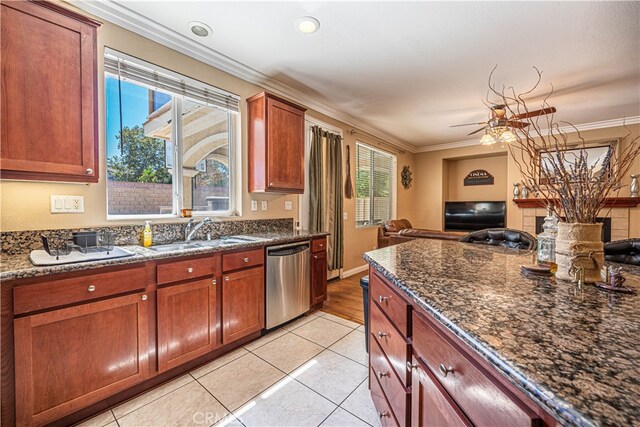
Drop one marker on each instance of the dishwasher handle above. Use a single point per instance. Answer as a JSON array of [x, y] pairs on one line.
[[288, 250]]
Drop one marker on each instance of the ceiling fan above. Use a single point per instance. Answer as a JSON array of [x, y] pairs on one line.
[[499, 120]]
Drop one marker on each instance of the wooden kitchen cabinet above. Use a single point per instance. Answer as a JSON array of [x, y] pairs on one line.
[[242, 303], [49, 93], [276, 145], [69, 358], [318, 278]]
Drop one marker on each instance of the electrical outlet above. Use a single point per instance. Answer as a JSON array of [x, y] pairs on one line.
[[67, 204], [254, 205], [265, 205], [288, 205]]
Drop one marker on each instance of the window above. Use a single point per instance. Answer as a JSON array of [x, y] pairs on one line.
[[171, 141], [375, 186]]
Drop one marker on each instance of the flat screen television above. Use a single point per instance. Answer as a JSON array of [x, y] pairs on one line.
[[471, 216]]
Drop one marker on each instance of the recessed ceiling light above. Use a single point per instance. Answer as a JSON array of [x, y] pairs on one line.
[[200, 29], [308, 24]]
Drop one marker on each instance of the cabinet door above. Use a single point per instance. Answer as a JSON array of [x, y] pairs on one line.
[[318, 278], [430, 406], [285, 147], [187, 326], [49, 104], [242, 303], [70, 358]]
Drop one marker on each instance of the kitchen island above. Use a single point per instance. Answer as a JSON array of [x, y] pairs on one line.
[[573, 352]]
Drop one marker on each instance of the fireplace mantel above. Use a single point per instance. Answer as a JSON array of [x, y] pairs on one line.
[[611, 202]]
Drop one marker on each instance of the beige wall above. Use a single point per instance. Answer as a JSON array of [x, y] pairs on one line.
[[455, 170], [25, 205], [432, 171]]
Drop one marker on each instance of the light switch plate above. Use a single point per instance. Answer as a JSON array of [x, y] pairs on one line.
[[67, 204], [344, 216], [265, 205], [288, 205], [254, 205]]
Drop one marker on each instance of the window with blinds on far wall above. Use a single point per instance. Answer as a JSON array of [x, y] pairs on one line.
[[375, 186]]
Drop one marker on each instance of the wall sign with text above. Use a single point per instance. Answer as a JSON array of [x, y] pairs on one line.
[[478, 177]]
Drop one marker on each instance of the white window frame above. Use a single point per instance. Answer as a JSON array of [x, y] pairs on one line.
[[392, 183], [235, 154]]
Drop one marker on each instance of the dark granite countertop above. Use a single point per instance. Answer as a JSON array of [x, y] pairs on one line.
[[575, 352], [19, 266]]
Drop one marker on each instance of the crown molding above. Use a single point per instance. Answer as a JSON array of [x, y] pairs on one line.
[[566, 129], [120, 15]]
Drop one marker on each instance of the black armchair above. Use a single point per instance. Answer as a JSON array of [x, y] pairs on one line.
[[505, 237], [623, 251]]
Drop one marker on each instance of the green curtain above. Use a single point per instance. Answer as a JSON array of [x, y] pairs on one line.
[[316, 205]]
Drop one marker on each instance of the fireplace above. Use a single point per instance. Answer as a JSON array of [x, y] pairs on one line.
[[606, 227]]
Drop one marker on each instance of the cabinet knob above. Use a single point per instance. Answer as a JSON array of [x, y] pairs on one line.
[[226, 279], [444, 370], [89, 171], [383, 414], [315, 256], [245, 259], [271, 183], [320, 244], [91, 288], [214, 281], [144, 297], [382, 334], [383, 374], [190, 270], [382, 299], [411, 367]]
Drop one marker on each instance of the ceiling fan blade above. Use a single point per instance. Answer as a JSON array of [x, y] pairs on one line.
[[468, 124], [517, 125], [535, 113], [476, 131]]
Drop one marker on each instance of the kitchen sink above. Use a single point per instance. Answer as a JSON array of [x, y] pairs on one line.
[[170, 247], [224, 241]]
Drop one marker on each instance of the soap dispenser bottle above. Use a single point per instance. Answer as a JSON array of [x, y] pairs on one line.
[[146, 234]]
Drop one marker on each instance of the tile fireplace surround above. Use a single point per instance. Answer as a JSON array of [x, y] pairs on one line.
[[619, 221]]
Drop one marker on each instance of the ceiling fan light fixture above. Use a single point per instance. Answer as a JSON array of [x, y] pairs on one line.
[[307, 24], [487, 139], [508, 136], [200, 29]]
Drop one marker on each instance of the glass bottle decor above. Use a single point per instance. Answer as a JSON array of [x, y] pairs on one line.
[[547, 239]]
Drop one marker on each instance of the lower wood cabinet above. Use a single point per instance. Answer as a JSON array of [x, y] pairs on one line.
[[318, 277], [69, 358], [430, 405], [242, 303], [187, 321]]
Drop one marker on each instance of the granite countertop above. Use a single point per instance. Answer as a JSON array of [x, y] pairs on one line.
[[19, 266], [575, 352]]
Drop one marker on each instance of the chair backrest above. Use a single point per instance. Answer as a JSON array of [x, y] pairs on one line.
[[623, 251], [508, 238]]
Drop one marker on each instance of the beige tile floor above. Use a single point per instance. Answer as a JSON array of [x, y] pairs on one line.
[[311, 372]]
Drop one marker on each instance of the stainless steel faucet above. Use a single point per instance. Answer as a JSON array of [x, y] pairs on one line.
[[190, 230]]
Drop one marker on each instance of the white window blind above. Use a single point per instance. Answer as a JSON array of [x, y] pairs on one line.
[[375, 186], [156, 78]]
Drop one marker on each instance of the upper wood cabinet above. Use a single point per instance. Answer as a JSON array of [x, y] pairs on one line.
[[276, 145], [49, 94]]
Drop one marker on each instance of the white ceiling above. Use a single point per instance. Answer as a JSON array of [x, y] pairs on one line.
[[413, 69]]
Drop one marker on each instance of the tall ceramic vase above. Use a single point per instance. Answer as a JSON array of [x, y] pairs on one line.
[[579, 245]]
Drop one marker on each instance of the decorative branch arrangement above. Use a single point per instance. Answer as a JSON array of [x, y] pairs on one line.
[[560, 171]]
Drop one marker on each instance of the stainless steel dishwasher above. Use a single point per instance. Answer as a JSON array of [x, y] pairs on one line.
[[288, 282]]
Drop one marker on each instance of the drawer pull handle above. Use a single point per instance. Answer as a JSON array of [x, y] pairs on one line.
[[226, 279], [382, 334], [214, 282], [411, 366], [382, 299], [383, 414], [144, 297], [89, 171], [383, 374], [91, 288], [190, 270], [444, 370], [246, 259]]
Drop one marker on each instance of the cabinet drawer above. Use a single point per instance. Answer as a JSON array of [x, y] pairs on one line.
[[393, 344], [55, 293], [380, 402], [394, 391], [187, 269], [390, 302], [319, 245], [484, 401], [244, 259]]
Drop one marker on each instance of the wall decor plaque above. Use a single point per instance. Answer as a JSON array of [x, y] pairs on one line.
[[478, 177]]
